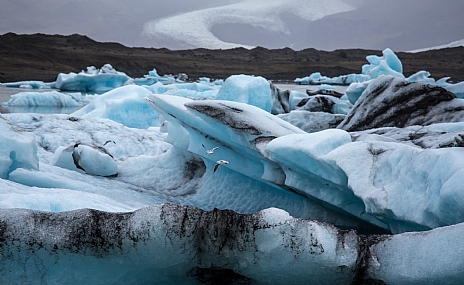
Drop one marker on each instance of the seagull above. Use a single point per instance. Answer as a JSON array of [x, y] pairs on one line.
[[108, 141], [210, 151], [219, 163]]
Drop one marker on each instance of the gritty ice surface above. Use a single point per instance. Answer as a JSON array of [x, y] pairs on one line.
[[159, 245]]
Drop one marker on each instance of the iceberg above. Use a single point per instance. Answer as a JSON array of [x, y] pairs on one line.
[[387, 64], [192, 90], [92, 80], [17, 149], [30, 84], [252, 90], [170, 244], [48, 99], [90, 158], [242, 131], [316, 78], [124, 105], [390, 101], [152, 78], [456, 88]]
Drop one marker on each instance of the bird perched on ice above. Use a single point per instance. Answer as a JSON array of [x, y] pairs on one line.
[[219, 163], [210, 151]]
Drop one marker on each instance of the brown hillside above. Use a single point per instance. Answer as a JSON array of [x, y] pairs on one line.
[[42, 57]]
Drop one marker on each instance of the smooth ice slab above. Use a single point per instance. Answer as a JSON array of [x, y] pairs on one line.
[[18, 149], [252, 90], [96, 80], [433, 257], [125, 105]]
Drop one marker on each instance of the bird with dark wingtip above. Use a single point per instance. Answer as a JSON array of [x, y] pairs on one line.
[[210, 151], [219, 163]]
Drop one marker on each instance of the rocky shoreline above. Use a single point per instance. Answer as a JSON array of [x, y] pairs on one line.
[[42, 57]]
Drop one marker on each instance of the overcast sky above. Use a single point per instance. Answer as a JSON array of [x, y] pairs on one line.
[[178, 24]]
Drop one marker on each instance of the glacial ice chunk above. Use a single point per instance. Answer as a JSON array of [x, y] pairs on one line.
[[387, 64], [30, 84], [316, 78], [91, 159], [153, 77], [125, 105], [312, 121], [253, 90], [242, 131], [305, 151], [48, 99], [432, 257], [390, 101], [409, 188], [456, 88], [96, 80], [172, 244], [421, 76], [94, 160], [18, 149]]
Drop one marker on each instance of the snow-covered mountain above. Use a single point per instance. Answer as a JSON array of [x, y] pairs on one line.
[[459, 43], [194, 28]]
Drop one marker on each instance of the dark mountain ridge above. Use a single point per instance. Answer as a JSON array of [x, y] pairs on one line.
[[42, 57]]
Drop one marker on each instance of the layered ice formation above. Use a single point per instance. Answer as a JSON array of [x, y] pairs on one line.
[[96, 80], [30, 84]]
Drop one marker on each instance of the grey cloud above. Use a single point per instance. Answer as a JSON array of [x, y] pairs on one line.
[[375, 24]]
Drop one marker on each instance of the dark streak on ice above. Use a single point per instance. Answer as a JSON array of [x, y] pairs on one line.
[[223, 115]]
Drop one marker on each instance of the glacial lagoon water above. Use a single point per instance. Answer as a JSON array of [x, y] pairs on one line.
[[7, 92]]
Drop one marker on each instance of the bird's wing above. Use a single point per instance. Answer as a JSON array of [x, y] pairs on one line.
[[216, 167], [214, 148]]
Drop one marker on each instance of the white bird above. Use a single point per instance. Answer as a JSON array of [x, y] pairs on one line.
[[108, 141], [210, 151], [219, 163]]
